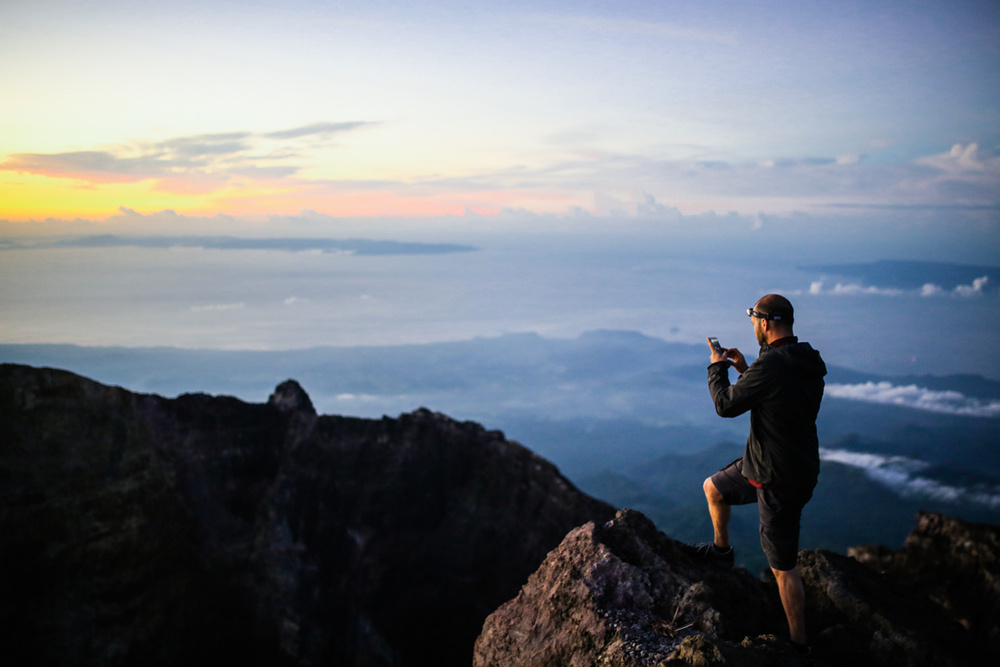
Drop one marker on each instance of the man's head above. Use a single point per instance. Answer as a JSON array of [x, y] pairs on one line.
[[772, 318]]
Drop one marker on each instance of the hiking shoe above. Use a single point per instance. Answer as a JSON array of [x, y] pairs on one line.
[[801, 649], [721, 557]]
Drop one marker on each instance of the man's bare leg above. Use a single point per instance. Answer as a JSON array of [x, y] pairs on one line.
[[793, 599], [719, 511]]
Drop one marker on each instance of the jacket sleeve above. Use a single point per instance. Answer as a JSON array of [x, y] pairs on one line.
[[732, 400]]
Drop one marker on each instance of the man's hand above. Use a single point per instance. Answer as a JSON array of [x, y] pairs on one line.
[[737, 359], [731, 354], [717, 354]]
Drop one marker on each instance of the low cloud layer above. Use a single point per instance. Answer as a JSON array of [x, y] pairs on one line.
[[918, 398], [851, 289], [903, 475], [218, 306], [976, 288]]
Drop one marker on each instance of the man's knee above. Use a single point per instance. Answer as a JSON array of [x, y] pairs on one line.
[[711, 492], [791, 574]]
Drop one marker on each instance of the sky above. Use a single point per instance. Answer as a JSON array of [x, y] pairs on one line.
[[648, 166], [261, 111]]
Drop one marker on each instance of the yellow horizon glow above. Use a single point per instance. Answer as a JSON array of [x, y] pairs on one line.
[[25, 197], [29, 197]]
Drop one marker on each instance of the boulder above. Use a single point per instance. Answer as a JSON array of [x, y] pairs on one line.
[[623, 594]]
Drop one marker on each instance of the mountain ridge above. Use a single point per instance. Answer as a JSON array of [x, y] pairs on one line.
[[139, 528]]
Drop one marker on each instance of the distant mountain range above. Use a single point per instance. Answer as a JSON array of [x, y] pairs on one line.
[[289, 244], [616, 411]]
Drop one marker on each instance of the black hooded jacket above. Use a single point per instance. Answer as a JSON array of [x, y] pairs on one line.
[[782, 390]]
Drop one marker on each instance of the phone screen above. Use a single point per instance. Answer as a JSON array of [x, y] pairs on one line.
[[715, 343]]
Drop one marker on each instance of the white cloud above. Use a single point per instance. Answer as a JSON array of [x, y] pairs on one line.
[[196, 163], [219, 306], [961, 159], [852, 289], [976, 288], [919, 398], [357, 397], [901, 474]]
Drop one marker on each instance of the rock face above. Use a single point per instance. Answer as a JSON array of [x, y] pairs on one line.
[[954, 563], [623, 594], [143, 530]]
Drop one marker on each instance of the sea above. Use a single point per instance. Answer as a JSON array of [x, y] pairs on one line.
[[231, 297]]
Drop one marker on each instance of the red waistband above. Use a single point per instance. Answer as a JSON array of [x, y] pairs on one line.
[[757, 484]]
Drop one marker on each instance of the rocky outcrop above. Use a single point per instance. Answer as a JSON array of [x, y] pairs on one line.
[[144, 530], [624, 594], [858, 616], [954, 563]]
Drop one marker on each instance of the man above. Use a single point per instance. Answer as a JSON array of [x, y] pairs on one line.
[[778, 470]]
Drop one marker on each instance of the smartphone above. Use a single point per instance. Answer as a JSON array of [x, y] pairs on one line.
[[714, 342]]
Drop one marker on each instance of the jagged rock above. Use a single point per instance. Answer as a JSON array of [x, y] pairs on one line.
[[407, 531], [622, 594], [289, 396], [143, 530], [955, 563], [860, 617]]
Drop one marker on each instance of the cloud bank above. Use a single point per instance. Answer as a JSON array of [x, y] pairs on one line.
[[218, 307], [918, 398], [975, 289], [902, 475]]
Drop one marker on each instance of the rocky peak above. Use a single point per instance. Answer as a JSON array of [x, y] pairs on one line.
[[289, 396]]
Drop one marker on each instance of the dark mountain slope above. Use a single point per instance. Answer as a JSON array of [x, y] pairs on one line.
[[142, 530]]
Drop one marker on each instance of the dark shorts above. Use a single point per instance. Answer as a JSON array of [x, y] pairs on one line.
[[780, 511]]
